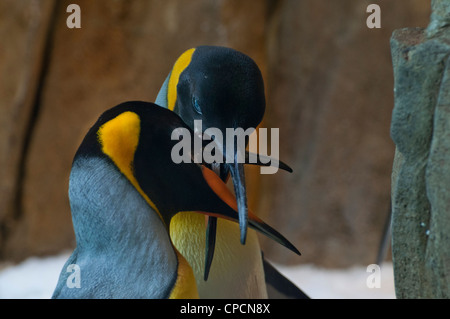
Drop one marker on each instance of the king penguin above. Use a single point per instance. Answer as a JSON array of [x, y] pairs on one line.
[[223, 88], [124, 190]]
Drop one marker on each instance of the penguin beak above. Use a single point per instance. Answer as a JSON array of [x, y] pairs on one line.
[[236, 170], [237, 175], [263, 160], [221, 190]]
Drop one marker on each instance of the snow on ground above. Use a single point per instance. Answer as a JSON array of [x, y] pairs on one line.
[[320, 283], [36, 278]]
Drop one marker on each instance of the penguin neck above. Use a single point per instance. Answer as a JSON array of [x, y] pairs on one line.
[[113, 222]]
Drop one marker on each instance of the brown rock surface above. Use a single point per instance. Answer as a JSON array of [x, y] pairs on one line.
[[24, 30]]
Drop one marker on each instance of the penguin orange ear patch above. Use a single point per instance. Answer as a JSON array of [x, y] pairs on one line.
[[119, 139], [180, 65]]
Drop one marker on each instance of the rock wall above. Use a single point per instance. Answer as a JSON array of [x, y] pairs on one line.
[[421, 179], [329, 90], [25, 30]]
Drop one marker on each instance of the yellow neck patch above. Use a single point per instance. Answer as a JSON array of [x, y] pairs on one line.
[[119, 139], [180, 65]]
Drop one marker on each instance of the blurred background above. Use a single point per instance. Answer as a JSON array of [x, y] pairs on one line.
[[329, 88]]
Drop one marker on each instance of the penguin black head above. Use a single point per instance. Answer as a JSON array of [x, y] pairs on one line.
[[136, 139], [220, 86]]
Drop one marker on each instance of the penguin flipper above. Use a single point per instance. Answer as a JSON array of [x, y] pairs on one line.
[[278, 286]]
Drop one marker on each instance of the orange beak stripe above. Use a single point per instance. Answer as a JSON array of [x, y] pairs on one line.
[[221, 190]]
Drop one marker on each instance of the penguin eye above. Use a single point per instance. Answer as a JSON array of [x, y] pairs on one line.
[[196, 105]]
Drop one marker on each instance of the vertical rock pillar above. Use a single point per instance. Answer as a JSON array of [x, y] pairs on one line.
[[421, 174]]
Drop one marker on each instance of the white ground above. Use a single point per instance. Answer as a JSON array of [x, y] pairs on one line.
[[36, 278], [343, 283]]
